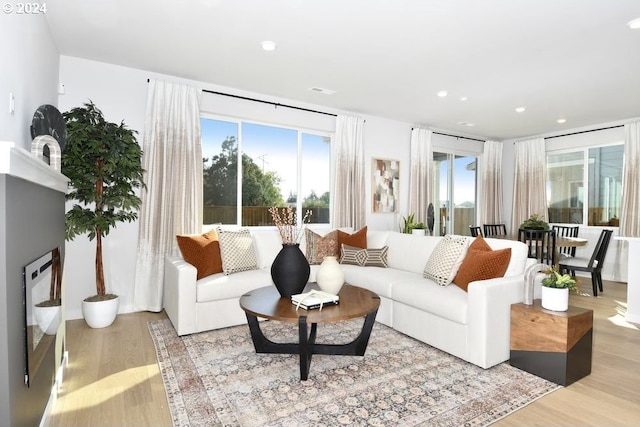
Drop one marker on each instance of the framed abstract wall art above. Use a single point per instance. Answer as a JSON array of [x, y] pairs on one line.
[[385, 185]]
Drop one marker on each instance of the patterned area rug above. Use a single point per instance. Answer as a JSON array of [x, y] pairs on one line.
[[216, 378]]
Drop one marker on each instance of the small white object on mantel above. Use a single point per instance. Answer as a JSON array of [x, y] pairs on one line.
[[18, 162], [633, 279]]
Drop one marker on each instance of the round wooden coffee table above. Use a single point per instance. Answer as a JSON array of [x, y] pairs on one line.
[[266, 303]]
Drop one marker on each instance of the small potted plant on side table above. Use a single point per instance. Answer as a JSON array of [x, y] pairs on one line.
[[555, 290]]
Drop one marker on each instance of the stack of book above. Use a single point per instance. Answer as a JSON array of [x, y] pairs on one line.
[[314, 299]]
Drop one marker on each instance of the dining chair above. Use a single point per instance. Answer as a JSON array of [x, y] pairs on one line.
[[475, 230], [566, 231], [541, 244], [491, 230], [591, 265]]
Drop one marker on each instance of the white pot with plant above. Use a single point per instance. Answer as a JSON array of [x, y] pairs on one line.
[[103, 162], [555, 290]]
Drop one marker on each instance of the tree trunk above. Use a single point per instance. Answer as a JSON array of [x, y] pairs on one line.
[[99, 269], [99, 206]]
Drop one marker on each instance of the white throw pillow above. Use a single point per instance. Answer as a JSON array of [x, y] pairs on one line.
[[236, 251], [445, 260]]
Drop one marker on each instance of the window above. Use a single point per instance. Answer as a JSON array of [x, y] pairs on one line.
[[455, 179], [249, 167], [585, 186]]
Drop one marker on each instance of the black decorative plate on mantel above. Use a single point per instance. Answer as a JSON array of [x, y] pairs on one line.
[[47, 120]]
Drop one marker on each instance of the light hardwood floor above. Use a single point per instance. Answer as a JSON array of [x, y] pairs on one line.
[[112, 378]]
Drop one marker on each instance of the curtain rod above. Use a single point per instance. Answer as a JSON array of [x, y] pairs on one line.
[[456, 136], [583, 131], [275, 104]]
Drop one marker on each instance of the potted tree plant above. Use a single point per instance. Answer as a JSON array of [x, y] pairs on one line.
[[103, 162], [555, 290]]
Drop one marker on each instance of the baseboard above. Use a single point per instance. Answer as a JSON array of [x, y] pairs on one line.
[[48, 410]]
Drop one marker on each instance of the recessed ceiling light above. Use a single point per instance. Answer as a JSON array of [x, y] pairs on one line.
[[520, 109], [322, 90], [464, 98], [442, 93], [269, 45], [466, 124], [561, 120], [634, 24]]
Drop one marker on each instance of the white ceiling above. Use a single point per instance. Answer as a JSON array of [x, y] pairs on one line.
[[572, 59]]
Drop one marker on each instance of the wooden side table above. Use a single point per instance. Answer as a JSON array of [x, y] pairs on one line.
[[555, 345]]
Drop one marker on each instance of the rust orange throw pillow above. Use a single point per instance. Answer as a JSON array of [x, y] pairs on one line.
[[481, 263], [203, 252], [357, 239]]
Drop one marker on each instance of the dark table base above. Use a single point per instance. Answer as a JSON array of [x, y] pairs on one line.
[[307, 346]]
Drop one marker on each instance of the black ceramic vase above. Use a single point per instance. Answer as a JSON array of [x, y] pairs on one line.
[[290, 270]]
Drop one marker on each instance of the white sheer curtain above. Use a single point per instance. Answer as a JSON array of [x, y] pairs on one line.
[[529, 186], [630, 209], [420, 174], [490, 197], [348, 194], [172, 202]]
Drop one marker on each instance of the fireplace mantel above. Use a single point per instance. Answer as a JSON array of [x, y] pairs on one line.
[[18, 162]]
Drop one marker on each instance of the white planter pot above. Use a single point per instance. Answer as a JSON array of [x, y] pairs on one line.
[[100, 314], [330, 276], [419, 231], [555, 299]]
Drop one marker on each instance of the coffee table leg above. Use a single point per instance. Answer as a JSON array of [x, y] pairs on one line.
[[306, 342], [306, 345], [263, 345]]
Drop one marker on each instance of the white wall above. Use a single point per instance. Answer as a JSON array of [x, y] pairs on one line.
[[28, 70], [121, 92]]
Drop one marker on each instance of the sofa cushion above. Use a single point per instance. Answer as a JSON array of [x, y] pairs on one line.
[[236, 250], [445, 260], [409, 252], [267, 244], [357, 239], [481, 263], [318, 247], [221, 286], [448, 302], [519, 253], [201, 251], [377, 279], [364, 257]]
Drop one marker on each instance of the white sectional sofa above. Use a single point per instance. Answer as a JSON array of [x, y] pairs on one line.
[[472, 325]]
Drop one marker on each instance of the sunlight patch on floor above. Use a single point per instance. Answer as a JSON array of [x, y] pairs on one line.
[[620, 318], [104, 389]]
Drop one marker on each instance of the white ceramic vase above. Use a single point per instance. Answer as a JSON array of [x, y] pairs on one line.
[[330, 276], [555, 299], [419, 231], [100, 314]]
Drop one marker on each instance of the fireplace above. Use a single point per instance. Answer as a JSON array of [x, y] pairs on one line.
[[42, 308]]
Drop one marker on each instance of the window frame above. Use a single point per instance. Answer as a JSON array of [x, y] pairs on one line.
[[584, 149], [299, 141]]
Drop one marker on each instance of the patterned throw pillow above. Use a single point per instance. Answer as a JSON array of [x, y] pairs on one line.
[[236, 250], [445, 260], [364, 257], [318, 246], [481, 263], [202, 251]]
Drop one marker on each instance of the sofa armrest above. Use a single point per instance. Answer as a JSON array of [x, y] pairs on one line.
[[489, 318], [180, 294]]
